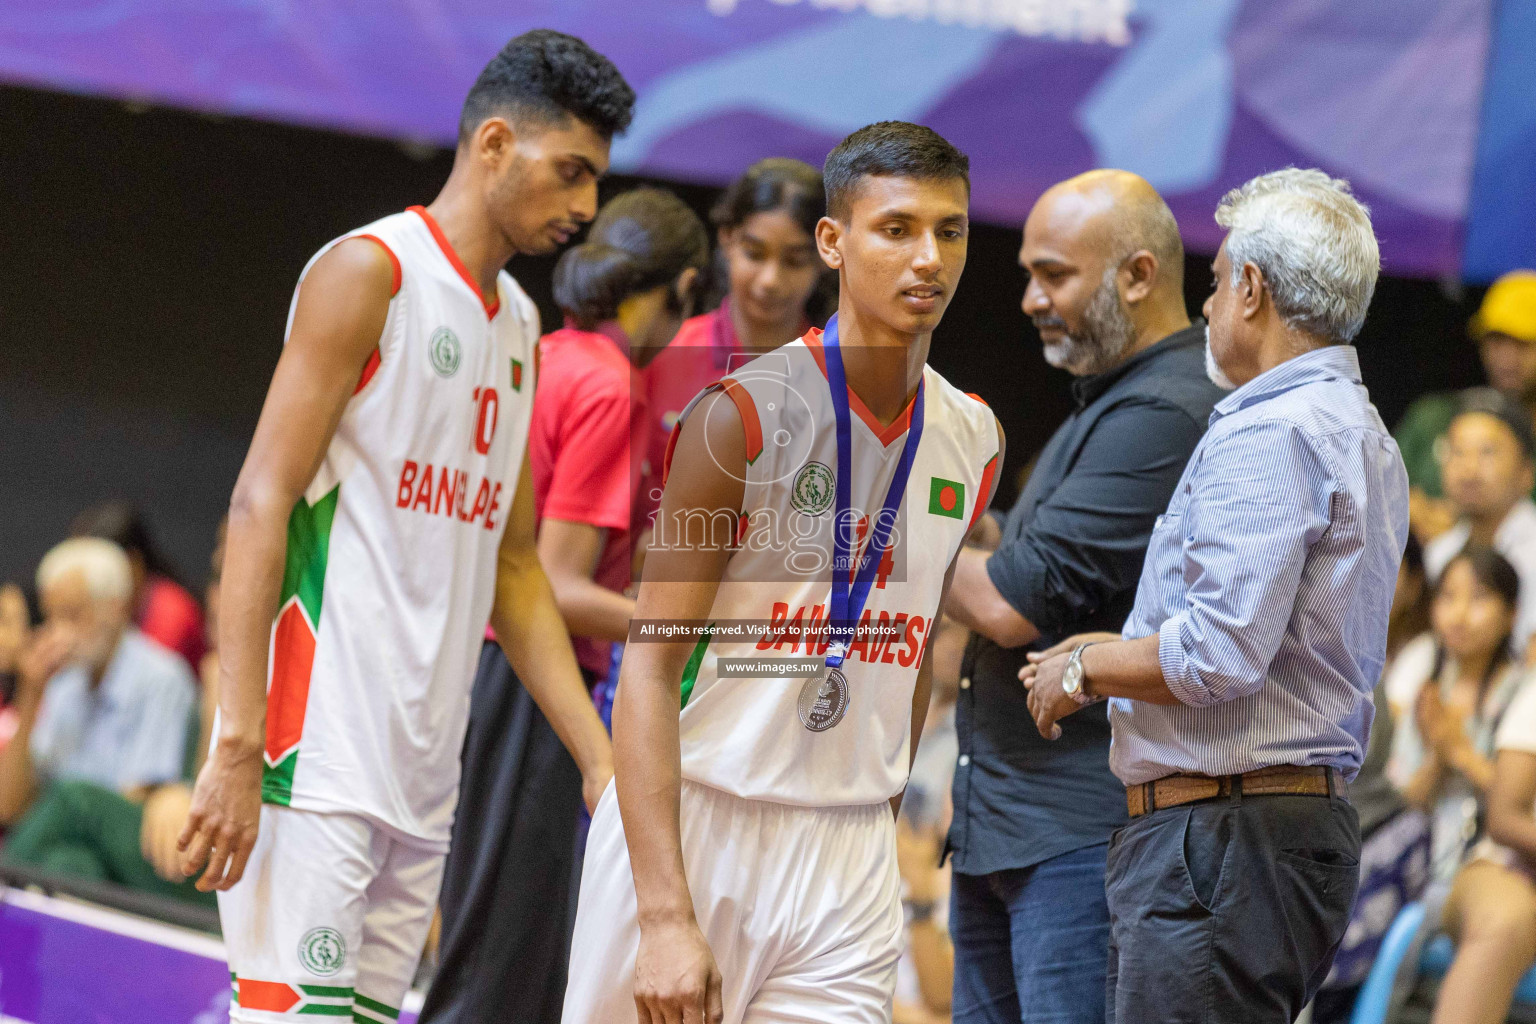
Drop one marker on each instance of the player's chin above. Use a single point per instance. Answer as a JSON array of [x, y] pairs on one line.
[[920, 316]]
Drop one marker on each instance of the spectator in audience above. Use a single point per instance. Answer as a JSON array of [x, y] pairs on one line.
[[1505, 331], [86, 830], [1447, 692], [1488, 473], [1492, 907], [1394, 837], [96, 701], [163, 609], [15, 628]]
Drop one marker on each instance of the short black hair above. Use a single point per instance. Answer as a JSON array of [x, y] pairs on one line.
[[895, 149], [542, 77]]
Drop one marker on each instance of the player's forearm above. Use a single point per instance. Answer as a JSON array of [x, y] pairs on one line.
[[17, 782], [590, 609], [252, 583], [534, 639], [648, 775]]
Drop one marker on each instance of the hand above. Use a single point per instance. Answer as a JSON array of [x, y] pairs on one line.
[[1048, 702], [14, 627], [594, 782], [48, 651], [225, 814], [917, 858], [165, 814], [1066, 646], [676, 980], [1439, 725]]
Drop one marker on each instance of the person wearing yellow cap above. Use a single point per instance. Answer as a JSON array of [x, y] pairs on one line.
[[1504, 328]]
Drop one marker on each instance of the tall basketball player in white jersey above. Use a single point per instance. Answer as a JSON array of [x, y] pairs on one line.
[[383, 514], [743, 868]]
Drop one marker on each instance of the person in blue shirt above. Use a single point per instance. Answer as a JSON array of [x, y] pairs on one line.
[[1240, 696], [96, 700]]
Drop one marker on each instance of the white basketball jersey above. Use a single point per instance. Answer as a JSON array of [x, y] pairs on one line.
[[746, 735], [391, 563]]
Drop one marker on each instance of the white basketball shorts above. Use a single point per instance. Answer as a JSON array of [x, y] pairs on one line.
[[801, 907], [329, 919]]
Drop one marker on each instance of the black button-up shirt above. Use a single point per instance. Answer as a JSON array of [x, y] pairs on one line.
[[1069, 561]]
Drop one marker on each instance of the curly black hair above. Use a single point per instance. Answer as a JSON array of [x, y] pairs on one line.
[[543, 76], [896, 149]]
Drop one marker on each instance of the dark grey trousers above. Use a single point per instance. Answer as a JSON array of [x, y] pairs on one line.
[[1228, 911]]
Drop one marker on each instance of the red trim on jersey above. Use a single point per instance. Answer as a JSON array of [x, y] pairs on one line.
[[885, 433], [745, 408], [666, 460], [369, 369], [293, 660], [748, 410], [394, 289], [983, 491], [442, 243], [972, 394]]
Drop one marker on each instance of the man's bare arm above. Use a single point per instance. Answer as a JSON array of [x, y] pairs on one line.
[[533, 636], [976, 603], [342, 306], [569, 552], [675, 971]]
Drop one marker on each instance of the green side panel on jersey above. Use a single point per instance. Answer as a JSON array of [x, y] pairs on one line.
[[309, 542], [374, 1006], [691, 670], [327, 991], [326, 1009], [277, 781]]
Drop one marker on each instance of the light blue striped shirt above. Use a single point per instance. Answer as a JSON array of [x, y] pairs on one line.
[[1269, 581]]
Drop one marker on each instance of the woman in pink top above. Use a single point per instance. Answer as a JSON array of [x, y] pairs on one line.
[[769, 271]]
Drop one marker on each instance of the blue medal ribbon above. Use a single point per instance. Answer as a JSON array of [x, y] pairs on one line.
[[847, 600]]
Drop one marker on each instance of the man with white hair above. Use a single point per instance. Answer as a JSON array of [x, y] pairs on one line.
[[97, 701], [1240, 696]]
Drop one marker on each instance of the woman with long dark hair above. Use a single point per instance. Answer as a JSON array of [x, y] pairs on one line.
[[768, 273], [509, 885], [1448, 690]]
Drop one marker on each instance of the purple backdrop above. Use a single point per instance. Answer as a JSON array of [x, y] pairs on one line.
[[1195, 94]]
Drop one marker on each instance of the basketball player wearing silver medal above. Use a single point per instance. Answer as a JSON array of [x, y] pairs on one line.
[[824, 697]]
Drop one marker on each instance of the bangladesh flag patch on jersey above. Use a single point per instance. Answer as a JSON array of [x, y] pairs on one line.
[[947, 498], [517, 375]]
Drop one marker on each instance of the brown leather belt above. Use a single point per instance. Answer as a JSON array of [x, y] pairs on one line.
[[1284, 779]]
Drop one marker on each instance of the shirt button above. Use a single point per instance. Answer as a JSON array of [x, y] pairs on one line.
[[965, 682], [965, 759]]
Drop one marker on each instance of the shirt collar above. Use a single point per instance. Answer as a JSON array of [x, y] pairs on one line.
[[1330, 362], [1086, 389]]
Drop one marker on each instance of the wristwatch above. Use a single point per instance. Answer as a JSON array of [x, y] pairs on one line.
[[1074, 680]]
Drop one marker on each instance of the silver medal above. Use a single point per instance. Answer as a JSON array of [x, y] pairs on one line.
[[823, 700]]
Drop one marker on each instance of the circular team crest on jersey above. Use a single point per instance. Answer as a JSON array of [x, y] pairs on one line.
[[322, 951], [444, 351], [813, 490]]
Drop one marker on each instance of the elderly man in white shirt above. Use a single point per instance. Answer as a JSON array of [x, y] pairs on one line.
[[1488, 463], [96, 700]]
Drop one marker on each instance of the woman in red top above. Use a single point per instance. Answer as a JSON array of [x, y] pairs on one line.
[[765, 223], [507, 888]]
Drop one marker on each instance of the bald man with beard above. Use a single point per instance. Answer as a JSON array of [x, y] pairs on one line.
[[1032, 818]]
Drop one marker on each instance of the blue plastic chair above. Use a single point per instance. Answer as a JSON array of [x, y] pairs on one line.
[[1375, 999]]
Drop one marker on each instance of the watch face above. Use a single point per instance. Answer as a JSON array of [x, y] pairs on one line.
[[1072, 678]]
